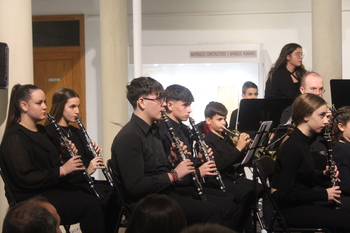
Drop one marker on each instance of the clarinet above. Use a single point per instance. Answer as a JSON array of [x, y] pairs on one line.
[[203, 147], [176, 141], [330, 162], [94, 153], [65, 142]]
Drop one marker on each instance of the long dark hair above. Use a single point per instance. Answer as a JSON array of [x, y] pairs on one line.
[[59, 100], [288, 49], [19, 93], [341, 116]]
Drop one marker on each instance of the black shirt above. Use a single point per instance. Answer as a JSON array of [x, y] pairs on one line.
[[341, 156], [30, 160], [138, 154], [281, 85], [294, 174], [225, 154], [233, 120]]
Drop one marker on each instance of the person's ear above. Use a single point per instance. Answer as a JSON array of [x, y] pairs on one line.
[[302, 89], [170, 106], [141, 103], [288, 57], [307, 118], [208, 120], [24, 106], [243, 96], [341, 127]]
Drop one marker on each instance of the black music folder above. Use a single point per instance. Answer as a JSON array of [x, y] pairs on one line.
[[340, 92], [252, 112]]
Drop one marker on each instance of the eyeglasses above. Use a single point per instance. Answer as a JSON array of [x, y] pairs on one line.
[[159, 100], [300, 55], [315, 90]]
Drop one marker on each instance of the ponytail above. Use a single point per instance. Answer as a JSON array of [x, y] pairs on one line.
[[18, 93]]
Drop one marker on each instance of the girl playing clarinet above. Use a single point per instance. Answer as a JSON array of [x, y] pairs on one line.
[[341, 152], [295, 176], [65, 110], [32, 163]]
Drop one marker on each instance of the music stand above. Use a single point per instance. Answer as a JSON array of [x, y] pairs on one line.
[[279, 134], [340, 92], [260, 138], [252, 112]]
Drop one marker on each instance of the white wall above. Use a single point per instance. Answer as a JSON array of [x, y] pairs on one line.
[[271, 23]]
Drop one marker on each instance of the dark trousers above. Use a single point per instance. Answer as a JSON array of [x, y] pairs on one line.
[[317, 216], [242, 188], [219, 208], [77, 207]]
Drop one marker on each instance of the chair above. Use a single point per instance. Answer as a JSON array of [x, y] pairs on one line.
[[11, 199], [124, 207], [9, 195], [263, 169]]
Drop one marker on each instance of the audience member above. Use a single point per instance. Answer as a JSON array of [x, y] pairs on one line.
[[156, 213], [207, 228], [35, 215]]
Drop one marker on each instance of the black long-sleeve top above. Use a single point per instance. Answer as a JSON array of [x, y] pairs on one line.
[[341, 157], [77, 137], [281, 85], [140, 160], [183, 133], [294, 174], [225, 154], [30, 161]]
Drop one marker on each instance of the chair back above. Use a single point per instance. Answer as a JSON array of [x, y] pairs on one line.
[[124, 207], [9, 194], [263, 168]]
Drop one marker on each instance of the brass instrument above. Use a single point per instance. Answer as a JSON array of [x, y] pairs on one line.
[[65, 142], [94, 153], [233, 133]]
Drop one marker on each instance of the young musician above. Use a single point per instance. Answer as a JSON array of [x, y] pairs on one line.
[[226, 153], [283, 80], [341, 152], [32, 162], [139, 159], [178, 108], [249, 91], [65, 110], [295, 177]]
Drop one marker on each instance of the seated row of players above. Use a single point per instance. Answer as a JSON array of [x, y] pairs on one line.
[[146, 160]]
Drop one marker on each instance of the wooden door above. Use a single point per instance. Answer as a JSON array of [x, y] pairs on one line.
[[56, 64], [54, 70]]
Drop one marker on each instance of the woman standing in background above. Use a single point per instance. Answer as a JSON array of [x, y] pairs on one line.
[[283, 80]]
